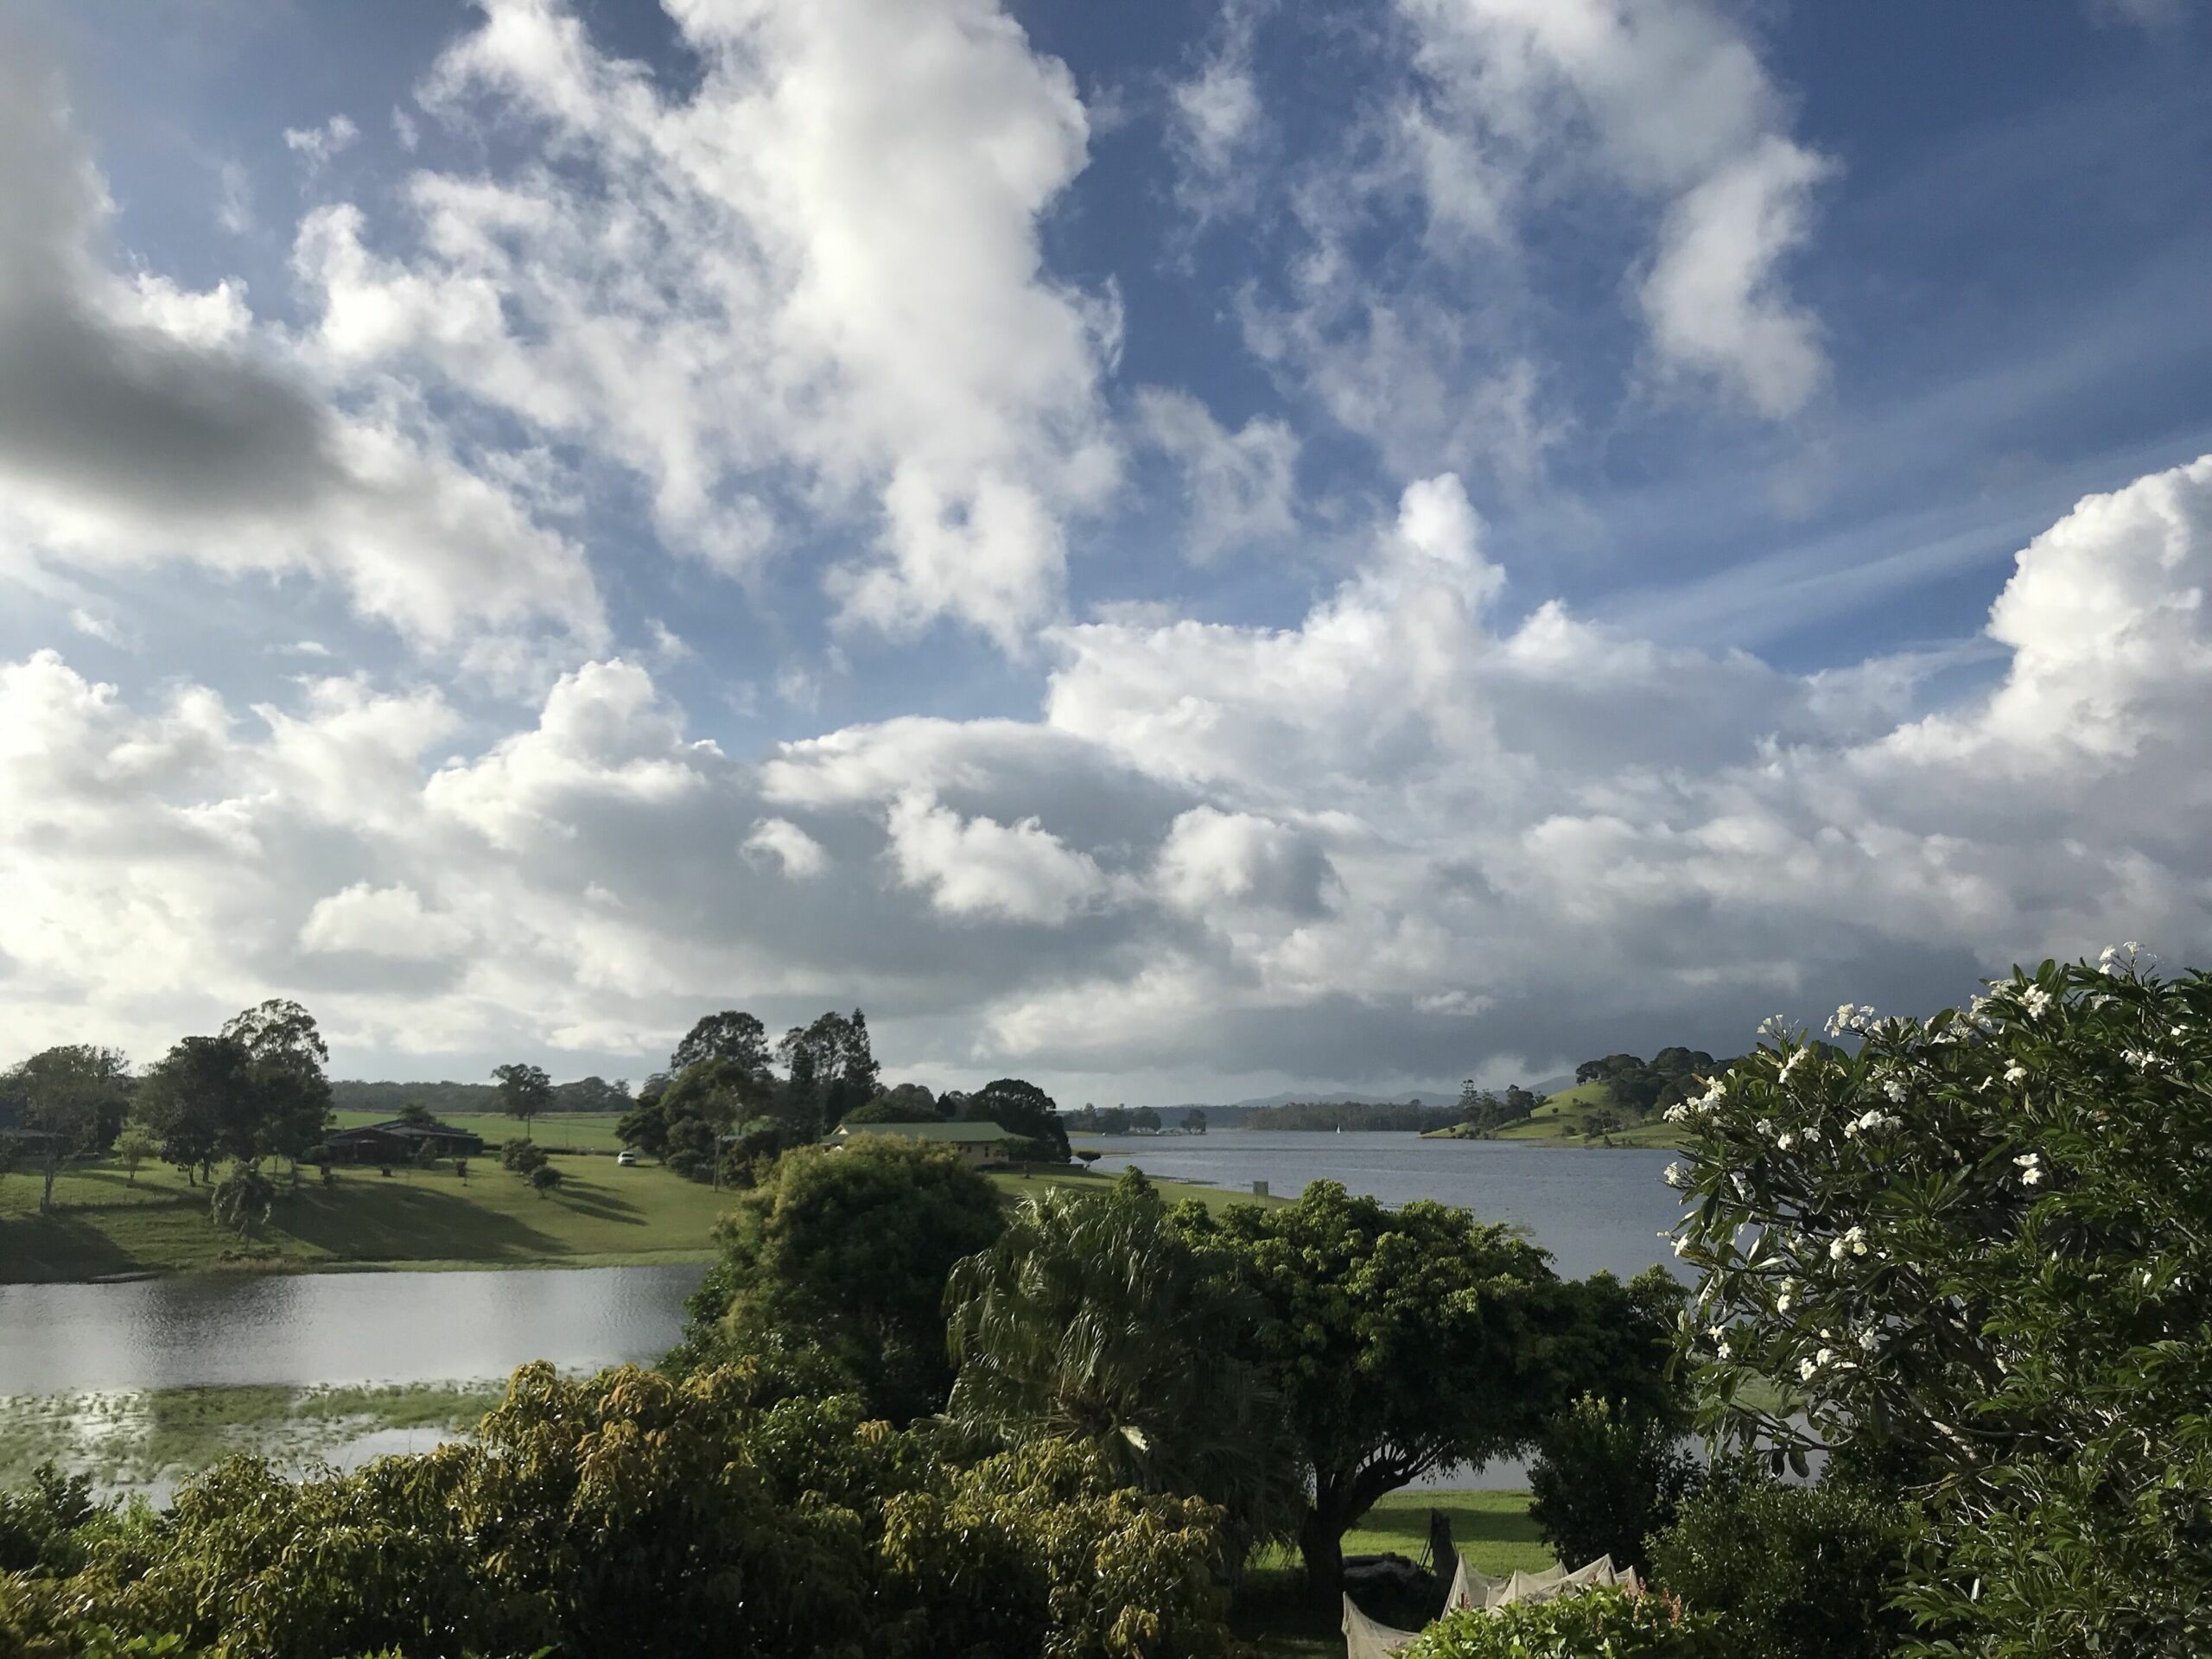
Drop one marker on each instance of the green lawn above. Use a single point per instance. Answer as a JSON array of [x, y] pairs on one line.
[[1492, 1529], [555, 1131], [601, 1215], [1214, 1198], [1562, 1118]]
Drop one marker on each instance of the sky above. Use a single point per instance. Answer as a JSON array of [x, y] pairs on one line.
[[1178, 552]]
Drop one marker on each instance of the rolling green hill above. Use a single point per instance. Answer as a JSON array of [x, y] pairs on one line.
[[1564, 1120]]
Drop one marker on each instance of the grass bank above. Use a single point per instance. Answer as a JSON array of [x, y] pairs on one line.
[[104, 1225], [574, 1132], [1564, 1120], [1214, 1198]]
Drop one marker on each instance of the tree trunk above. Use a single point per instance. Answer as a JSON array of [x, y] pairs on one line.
[[53, 1163], [1321, 1542]]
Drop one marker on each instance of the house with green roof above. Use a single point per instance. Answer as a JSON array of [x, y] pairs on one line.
[[977, 1143]]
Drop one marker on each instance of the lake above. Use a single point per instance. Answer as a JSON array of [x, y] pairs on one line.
[[195, 1330], [1591, 1209]]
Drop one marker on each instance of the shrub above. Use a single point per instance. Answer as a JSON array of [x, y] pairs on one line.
[[543, 1180], [41, 1524], [523, 1157], [1788, 1571], [631, 1515], [849, 1250], [1985, 1242], [1604, 1481], [1590, 1624]]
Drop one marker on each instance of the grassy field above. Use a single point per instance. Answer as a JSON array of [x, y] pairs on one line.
[[1214, 1198], [1492, 1529], [601, 1216], [104, 1225], [555, 1131]]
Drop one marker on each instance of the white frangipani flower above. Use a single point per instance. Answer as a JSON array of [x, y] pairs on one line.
[[2031, 1167], [2036, 1000], [1673, 1175], [2016, 1073]]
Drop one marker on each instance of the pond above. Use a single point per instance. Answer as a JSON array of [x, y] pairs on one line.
[[1592, 1209], [195, 1331]]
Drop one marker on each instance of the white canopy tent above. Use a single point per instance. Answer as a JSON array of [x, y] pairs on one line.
[[1365, 1639]]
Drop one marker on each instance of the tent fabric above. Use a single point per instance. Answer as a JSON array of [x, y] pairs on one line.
[[1365, 1639], [1469, 1589], [1556, 1581]]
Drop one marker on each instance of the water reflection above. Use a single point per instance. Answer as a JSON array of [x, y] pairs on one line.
[[383, 1328], [1592, 1210]]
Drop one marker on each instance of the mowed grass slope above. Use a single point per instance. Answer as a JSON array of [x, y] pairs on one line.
[[602, 1215], [1564, 1118], [555, 1131]]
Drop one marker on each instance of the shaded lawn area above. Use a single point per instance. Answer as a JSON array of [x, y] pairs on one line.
[[555, 1131], [600, 1214], [1492, 1529], [1214, 1198]]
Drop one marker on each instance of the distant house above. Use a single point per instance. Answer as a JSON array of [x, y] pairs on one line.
[[977, 1143], [397, 1141]]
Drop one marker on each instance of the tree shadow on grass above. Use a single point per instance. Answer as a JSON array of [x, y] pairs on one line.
[[598, 1203], [42, 1249], [377, 1220]]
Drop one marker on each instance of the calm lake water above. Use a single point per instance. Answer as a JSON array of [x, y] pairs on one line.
[[1591, 1209], [373, 1327]]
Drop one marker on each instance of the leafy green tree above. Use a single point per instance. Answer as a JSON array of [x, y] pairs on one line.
[[524, 1158], [1194, 1121], [1978, 1253], [644, 1125], [200, 1101], [1789, 1570], [243, 1200], [1408, 1341], [525, 1092], [543, 1180], [1019, 1107], [849, 1250], [1144, 1118], [1604, 1479], [706, 1102], [1092, 1320], [593, 1093], [734, 1038], [76, 1094], [285, 1055], [738, 1512], [133, 1147], [416, 1115], [831, 1068]]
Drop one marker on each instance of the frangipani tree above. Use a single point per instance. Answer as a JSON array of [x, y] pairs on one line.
[[1979, 1251]]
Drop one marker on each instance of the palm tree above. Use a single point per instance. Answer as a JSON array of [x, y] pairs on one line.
[[1093, 1319]]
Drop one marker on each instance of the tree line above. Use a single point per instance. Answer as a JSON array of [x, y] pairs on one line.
[[729, 1101]]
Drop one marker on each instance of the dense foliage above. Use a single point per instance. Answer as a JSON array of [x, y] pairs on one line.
[[1638, 1086], [848, 1250], [727, 1515], [1022, 1108], [1604, 1479], [1093, 1320], [443, 1100], [1789, 1571], [1592, 1624], [1406, 1341], [1979, 1251]]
